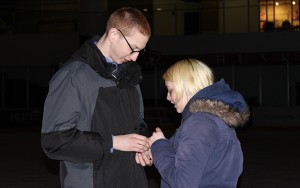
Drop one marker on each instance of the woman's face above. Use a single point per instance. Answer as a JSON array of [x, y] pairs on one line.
[[171, 97]]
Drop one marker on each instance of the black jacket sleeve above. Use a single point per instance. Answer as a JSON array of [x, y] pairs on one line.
[[66, 133], [73, 145]]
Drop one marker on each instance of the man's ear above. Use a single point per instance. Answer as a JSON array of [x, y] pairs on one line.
[[112, 34]]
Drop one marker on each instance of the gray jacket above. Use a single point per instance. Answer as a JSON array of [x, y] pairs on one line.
[[85, 106]]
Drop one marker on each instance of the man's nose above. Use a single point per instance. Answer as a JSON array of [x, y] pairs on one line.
[[134, 56]]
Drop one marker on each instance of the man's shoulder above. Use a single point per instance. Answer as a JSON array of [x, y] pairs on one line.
[[72, 69], [74, 65]]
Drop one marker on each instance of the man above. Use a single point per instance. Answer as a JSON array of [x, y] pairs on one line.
[[93, 113]]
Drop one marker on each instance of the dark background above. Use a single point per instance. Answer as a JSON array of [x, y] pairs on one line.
[[36, 36]]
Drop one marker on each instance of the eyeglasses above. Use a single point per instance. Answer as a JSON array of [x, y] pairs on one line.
[[132, 50]]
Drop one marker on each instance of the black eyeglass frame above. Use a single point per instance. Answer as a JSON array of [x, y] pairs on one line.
[[132, 50]]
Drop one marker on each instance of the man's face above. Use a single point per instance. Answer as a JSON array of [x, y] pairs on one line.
[[128, 48]]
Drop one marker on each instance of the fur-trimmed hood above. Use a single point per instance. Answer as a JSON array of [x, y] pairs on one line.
[[219, 100], [232, 117]]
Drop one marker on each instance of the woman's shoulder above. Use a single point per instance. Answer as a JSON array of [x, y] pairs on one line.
[[204, 120]]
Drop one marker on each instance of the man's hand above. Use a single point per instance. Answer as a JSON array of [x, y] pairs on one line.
[[131, 142]]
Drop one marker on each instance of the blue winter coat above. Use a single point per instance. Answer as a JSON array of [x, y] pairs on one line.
[[205, 151]]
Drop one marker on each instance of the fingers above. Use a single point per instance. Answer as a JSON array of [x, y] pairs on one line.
[[131, 142], [158, 134], [137, 159], [148, 154], [142, 143], [140, 147], [148, 158], [144, 159], [141, 159]]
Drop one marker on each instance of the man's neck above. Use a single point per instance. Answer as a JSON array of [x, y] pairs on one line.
[[103, 46]]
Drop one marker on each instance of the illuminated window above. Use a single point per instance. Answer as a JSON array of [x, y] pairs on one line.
[[279, 15]]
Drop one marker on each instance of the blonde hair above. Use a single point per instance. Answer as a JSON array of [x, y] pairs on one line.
[[189, 76], [127, 19]]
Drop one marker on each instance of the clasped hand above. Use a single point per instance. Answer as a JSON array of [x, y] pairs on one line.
[[145, 158], [139, 144]]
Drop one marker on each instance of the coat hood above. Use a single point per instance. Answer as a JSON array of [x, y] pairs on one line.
[[219, 100]]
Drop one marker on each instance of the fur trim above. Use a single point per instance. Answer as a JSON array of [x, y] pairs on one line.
[[225, 112]]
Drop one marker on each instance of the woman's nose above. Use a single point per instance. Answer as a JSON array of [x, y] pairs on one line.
[[168, 97]]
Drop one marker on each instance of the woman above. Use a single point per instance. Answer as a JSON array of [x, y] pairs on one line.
[[204, 151]]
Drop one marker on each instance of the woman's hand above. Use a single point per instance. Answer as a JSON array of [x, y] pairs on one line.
[[144, 158], [158, 134]]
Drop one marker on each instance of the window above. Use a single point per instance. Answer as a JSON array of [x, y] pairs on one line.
[[279, 15]]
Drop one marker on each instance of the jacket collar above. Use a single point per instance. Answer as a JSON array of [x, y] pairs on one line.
[[219, 100], [129, 73]]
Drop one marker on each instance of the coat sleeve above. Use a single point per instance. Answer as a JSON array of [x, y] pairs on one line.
[[61, 139], [184, 167]]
